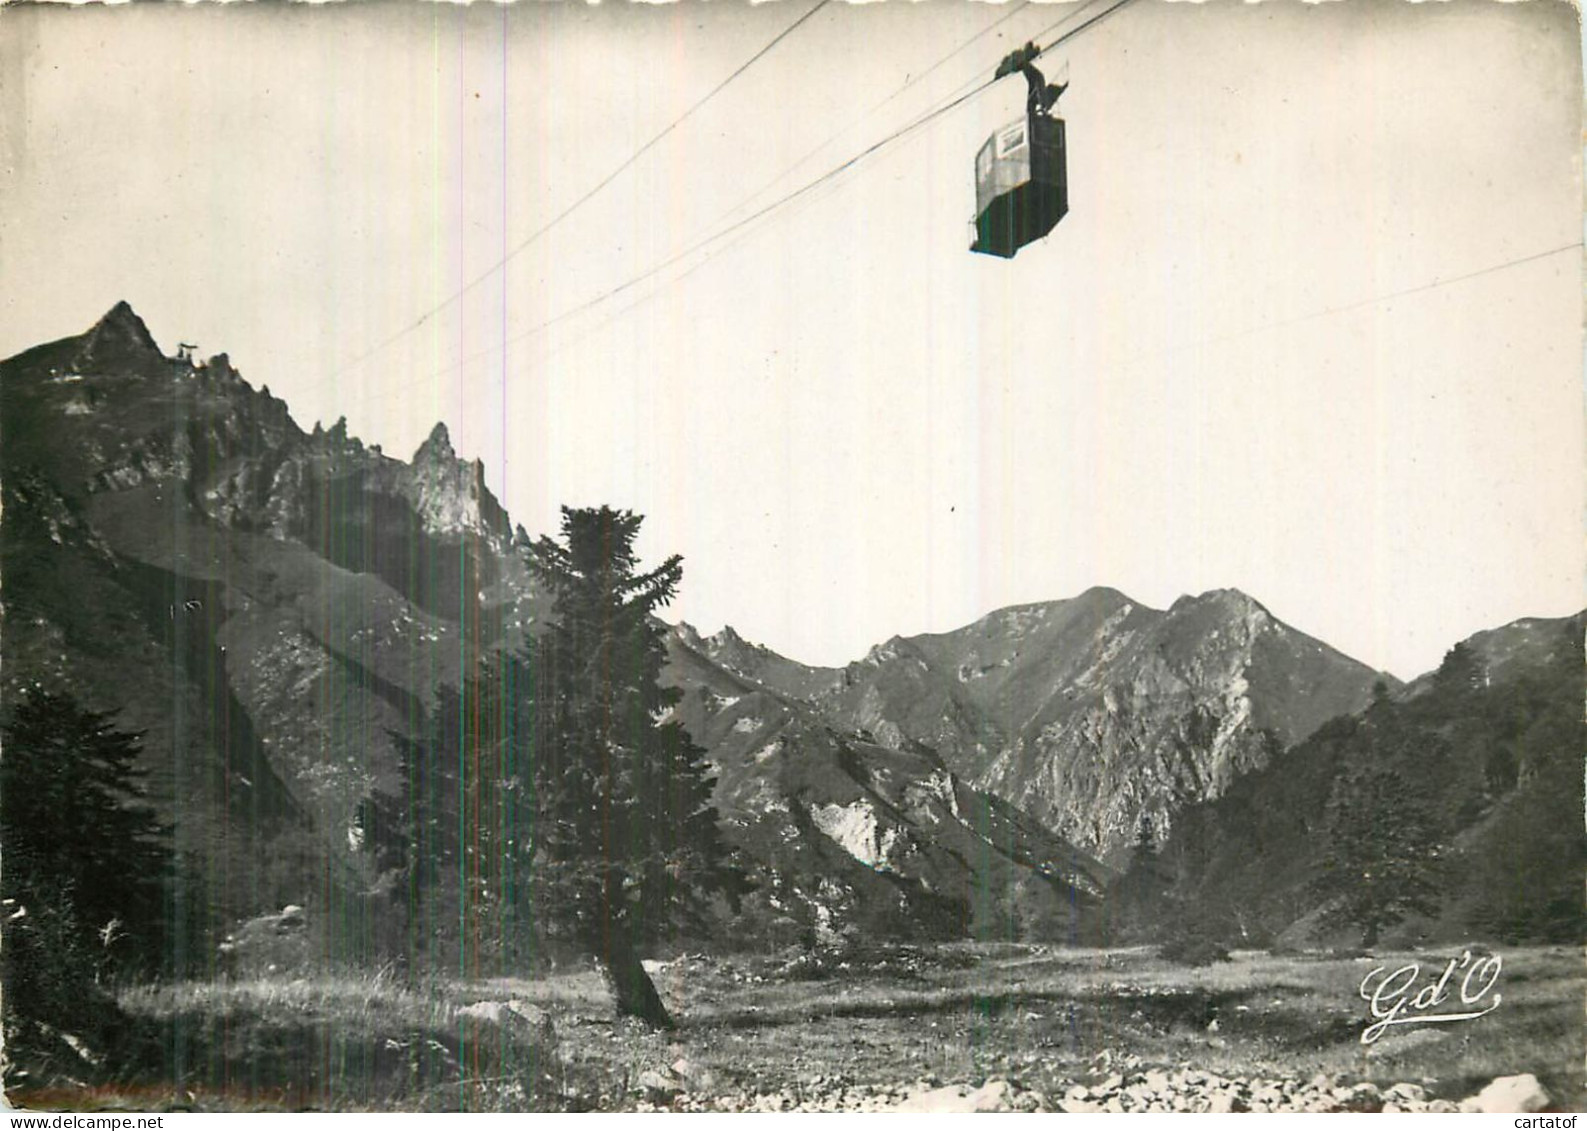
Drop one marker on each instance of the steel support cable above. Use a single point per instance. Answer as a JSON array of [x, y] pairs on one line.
[[578, 203], [911, 81]]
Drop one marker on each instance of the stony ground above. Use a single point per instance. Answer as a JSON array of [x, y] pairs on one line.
[[989, 1027], [1026, 1028]]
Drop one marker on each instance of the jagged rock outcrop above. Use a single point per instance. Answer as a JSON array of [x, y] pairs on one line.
[[759, 664], [271, 606]]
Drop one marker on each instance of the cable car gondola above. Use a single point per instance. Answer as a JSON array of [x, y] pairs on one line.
[[1021, 182]]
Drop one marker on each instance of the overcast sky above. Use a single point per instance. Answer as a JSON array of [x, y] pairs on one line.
[[1311, 328]]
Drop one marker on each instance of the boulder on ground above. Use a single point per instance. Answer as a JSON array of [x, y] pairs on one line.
[[1509, 1094], [660, 1086], [1402, 1092], [994, 1095], [519, 1018], [493, 1011], [274, 944]]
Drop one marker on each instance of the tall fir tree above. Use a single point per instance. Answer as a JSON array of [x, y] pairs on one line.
[[627, 846], [1141, 897], [86, 877], [1382, 859], [452, 842], [78, 830]]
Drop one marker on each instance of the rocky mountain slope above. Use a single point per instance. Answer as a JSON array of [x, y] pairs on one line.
[[268, 605], [851, 834], [1095, 714]]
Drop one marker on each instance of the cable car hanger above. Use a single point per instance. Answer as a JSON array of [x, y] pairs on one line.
[[1043, 95]]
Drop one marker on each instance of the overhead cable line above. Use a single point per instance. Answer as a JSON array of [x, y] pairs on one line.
[[787, 198], [744, 203], [1375, 300], [909, 82], [578, 203], [912, 80]]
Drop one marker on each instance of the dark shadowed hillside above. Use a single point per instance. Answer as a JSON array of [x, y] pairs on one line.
[[1487, 754]]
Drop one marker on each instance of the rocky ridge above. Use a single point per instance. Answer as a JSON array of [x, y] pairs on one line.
[[1097, 715], [172, 537]]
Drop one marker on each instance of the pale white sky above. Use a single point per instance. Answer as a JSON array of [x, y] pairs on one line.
[[849, 425]]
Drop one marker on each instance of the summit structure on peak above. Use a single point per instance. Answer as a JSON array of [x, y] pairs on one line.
[[437, 446]]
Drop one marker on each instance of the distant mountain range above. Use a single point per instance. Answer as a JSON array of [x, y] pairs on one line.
[[277, 609], [1094, 714]]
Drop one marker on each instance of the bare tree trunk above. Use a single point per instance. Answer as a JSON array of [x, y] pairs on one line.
[[633, 993]]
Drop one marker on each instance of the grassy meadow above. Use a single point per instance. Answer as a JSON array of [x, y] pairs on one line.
[[824, 1030]]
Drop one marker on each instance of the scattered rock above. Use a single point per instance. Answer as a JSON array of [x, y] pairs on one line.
[[1412, 1092], [662, 1087], [698, 1077], [994, 1095], [1509, 1094], [493, 1011]]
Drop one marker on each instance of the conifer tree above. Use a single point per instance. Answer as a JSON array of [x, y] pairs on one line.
[[1382, 859], [626, 844], [1143, 892], [78, 831], [86, 869]]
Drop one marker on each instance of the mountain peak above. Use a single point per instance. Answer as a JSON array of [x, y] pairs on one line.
[[123, 315], [1233, 600], [119, 336], [1103, 593], [437, 447]]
